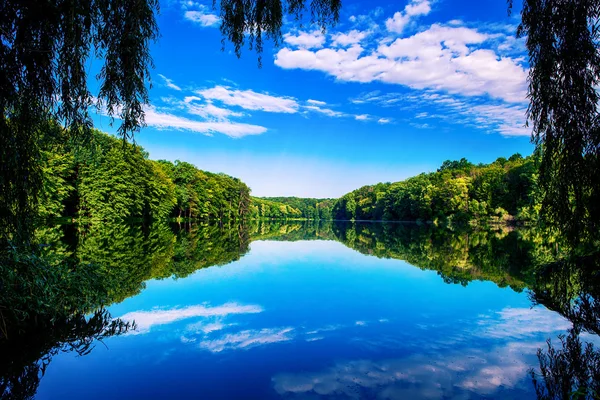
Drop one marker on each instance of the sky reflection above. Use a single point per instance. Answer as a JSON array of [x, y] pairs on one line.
[[144, 320], [314, 319], [452, 368]]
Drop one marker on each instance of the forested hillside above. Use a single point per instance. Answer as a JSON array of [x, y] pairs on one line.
[[457, 191], [309, 208], [115, 180]]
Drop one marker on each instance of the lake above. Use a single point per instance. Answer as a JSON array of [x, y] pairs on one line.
[[307, 311]]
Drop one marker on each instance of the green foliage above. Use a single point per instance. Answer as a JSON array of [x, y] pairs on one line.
[[113, 181], [457, 193], [268, 209], [562, 39], [308, 207], [46, 50], [503, 257], [204, 195], [243, 21]]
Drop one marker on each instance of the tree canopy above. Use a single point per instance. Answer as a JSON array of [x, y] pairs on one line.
[[45, 47], [458, 192], [249, 21], [44, 50], [562, 39]]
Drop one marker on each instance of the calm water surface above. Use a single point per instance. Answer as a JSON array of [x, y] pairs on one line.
[[311, 319]]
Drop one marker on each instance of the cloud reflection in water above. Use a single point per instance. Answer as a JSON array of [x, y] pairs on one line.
[[452, 367], [145, 320]]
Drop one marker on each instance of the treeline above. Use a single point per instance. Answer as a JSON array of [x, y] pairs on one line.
[[309, 208], [267, 209], [458, 191], [113, 180]]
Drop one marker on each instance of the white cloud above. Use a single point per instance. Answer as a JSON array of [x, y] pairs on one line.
[[439, 58], [145, 320], [247, 339], [189, 99], [384, 121], [402, 18], [421, 126], [250, 99], [190, 4], [346, 39], [362, 117], [202, 17], [163, 120], [452, 374], [327, 111], [210, 111], [207, 327], [451, 58], [490, 116], [462, 367], [169, 83], [316, 102], [306, 40]]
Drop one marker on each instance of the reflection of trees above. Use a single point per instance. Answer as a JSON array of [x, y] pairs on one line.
[[505, 258], [569, 372], [519, 259], [86, 268], [571, 287], [202, 246], [44, 298], [125, 255], [26, 356], [292, 231]]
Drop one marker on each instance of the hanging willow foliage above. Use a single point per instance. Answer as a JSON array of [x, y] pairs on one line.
[[249, 20], [562, 39], [45, 48]]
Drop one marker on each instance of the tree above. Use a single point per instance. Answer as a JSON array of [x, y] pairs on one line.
[[562, 38], [44, 50], [243, 20]]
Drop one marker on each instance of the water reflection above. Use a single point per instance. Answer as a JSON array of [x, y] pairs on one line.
[[355, 327], [145, 320], [570, 366], [447, 367], [26, 357]]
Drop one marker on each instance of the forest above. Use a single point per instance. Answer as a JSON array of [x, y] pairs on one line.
[[459, 191], [113, 180], [54, 165]]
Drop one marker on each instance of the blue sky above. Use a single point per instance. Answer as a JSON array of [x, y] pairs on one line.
[[394, 89]]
